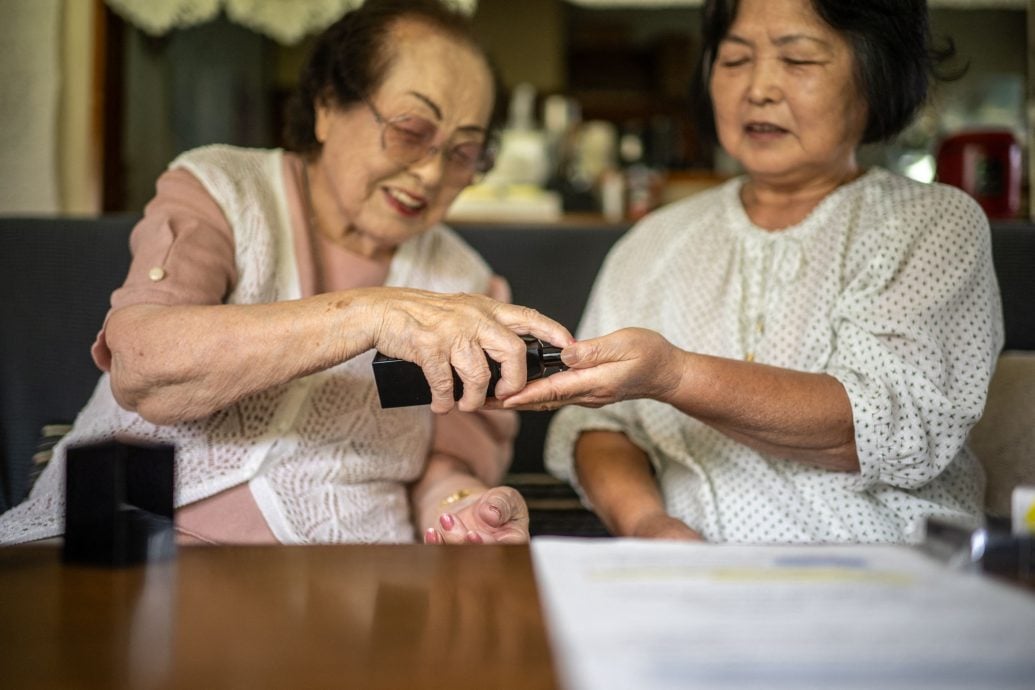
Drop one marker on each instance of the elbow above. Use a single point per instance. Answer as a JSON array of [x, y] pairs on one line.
[[145, 380], [126, 394], [154, 412], [844, 455], [844, 458], [133, 399], [152, 403]]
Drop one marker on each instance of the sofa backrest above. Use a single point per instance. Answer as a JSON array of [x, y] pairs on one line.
[[549, 268], [56, 276], [1013, 251]]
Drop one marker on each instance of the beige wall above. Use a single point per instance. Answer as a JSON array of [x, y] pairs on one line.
[[78, 157], [526, 39], [29, 84], [46, 92]]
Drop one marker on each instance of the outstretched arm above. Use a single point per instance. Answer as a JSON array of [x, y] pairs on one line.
[[792, 414], [174, 363]]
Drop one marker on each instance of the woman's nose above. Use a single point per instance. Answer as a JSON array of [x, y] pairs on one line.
[[431, 167], [764, 86]]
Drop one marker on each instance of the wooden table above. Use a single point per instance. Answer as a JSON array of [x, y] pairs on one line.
[[361, 616]]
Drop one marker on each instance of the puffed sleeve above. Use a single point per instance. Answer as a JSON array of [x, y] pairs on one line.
[[917, 333], [183, 252]]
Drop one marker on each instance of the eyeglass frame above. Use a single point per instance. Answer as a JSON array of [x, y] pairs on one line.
[[484, 163]]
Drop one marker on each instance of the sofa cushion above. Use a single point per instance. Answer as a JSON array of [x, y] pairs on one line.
[[1004, 439]]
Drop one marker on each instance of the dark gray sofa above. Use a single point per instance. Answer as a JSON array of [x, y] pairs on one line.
[[56, 275]]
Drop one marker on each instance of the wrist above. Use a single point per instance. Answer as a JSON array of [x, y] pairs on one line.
[[363, 316], [448, 495], [645, 522], [625, 511], [636, 522], [460, 496], [673, 375]]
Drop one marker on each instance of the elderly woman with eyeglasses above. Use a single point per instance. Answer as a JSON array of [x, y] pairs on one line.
[[263, 280]]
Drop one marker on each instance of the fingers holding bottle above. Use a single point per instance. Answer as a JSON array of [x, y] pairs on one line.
[[444, 334], [630, 363]]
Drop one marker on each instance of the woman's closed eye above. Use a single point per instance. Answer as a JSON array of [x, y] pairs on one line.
[[414, 130], [466, 153], [734, 62], [802, 62]]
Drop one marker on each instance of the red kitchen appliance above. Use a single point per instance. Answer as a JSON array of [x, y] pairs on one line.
[[987, 165]]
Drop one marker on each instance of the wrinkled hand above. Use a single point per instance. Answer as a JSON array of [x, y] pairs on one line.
[[438, 331], [661, 525], [497, 516], [627, 364]]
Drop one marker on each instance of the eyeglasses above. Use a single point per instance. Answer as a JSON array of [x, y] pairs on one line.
[[406, 139]]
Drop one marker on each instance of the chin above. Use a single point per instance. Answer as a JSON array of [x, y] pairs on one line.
[[769, 165]]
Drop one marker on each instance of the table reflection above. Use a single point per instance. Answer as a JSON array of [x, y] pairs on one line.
[[343, 616]]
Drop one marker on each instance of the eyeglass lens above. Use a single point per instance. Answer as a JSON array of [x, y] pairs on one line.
[[408, 140]]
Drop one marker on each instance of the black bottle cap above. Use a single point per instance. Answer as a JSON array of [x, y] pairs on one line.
[[551, 357]]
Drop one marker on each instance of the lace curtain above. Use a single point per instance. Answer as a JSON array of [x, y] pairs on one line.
[[285, 21]]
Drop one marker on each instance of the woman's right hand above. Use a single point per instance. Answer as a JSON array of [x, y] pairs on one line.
[[439, 331], [627, 364]]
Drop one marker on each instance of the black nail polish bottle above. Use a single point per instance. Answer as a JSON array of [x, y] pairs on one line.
[[401, 383]]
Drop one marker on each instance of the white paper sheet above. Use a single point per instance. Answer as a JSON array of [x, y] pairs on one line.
[[644, 615]]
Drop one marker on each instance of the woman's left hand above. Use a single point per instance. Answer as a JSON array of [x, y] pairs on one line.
[[496, 516], [627, 364]]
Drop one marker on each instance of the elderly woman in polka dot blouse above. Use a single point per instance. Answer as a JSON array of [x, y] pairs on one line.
[[798, 354]]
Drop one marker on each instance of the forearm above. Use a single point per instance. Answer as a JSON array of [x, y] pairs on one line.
[[444, 477], [174, 363], [618, 480], [799, 415]]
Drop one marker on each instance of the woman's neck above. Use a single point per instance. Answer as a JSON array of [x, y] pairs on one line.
[[775, 205], [341, 232]]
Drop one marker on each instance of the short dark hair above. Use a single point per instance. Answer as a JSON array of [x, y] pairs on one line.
[[895, 58], [351, 58]]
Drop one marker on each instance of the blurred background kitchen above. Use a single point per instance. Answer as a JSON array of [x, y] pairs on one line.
[[97, 96]]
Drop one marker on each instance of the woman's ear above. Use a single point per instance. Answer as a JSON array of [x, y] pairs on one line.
[[321, 121]]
